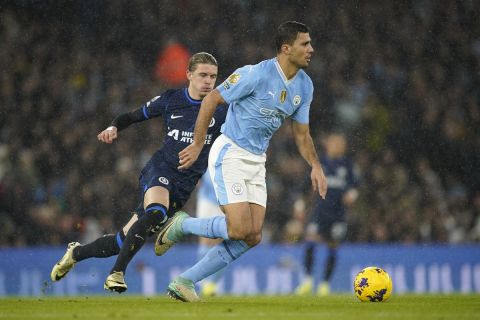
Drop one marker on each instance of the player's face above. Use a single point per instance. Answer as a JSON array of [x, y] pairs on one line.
[[202, 80], [335, 145], [301, 50]]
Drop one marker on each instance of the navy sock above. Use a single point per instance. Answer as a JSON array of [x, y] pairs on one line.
[[103, 247], [330, 264], [137, 235], [309, 257]]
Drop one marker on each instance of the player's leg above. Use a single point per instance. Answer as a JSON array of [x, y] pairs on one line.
[[156, 201], [106, 246], [245, 222], [182, 224], [209, 286], [206, 208], [311, 240], [324, 286], [239, 181], [103, 247], [337, 231]]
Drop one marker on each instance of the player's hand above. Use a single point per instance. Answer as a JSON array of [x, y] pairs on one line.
[[319, 181], [108, 135], [188, 156]]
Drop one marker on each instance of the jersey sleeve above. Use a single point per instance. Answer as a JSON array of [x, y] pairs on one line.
[[301, 115], [154, 108], [151, 109], [239, 84]]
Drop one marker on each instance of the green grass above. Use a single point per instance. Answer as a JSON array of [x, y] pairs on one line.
[[336, 307]]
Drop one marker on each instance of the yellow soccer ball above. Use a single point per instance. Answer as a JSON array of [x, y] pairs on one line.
[[372, 284]]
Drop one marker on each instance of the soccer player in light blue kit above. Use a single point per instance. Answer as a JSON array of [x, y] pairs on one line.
[[260, 98]]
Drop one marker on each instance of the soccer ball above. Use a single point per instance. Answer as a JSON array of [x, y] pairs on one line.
[[372, 284]]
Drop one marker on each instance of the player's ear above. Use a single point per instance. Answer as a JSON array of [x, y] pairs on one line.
[[286, 48]]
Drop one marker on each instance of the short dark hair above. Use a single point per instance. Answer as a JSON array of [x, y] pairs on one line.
[[201, 57], [287, 33]]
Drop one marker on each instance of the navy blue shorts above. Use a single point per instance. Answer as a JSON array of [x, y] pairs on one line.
[[180, 184], [331, 225]]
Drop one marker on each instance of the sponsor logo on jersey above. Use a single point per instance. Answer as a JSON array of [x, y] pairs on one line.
[[296, 100], [234, 78], [163, 180], [275, 117], [175, 117], [237, 188], [283, 96], [187, 136]]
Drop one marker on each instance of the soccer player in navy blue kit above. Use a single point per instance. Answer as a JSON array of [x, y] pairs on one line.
[[164, 189], [328, 220]]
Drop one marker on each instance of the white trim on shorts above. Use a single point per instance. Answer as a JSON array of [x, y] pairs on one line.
[[238, 175]]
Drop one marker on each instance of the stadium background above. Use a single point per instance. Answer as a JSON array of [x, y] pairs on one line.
[[401, 79]]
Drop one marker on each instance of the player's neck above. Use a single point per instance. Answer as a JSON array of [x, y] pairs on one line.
[[193, 94], [288, 68]]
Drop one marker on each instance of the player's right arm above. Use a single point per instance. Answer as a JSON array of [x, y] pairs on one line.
[[190, 154], [151, 109]]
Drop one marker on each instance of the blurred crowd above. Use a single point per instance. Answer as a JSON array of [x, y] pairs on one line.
[[400, 79]]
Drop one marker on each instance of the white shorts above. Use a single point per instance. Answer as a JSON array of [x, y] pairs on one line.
[[238, 175], [207, 209]]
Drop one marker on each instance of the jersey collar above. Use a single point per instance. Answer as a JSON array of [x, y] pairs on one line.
[[282, 75], [190, 99]]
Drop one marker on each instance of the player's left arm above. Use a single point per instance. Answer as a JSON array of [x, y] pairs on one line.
[[304, 141]]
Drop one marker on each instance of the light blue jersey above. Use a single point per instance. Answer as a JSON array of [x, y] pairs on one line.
[[260, 98], [206, 190]]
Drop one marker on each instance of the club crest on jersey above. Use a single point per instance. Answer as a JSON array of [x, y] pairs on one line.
[[283, 96], [296, 100], [234, 78], [212, 123], [163, 180], [237, 188]]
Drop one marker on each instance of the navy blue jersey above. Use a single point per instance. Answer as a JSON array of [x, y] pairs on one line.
[[340, 179], [179, 112]]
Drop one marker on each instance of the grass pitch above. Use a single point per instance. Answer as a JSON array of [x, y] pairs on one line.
[[336, 307]]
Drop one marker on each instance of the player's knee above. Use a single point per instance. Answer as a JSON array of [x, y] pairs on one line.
[[238, 233], [253, 239], [237, 230], [158, 212]]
